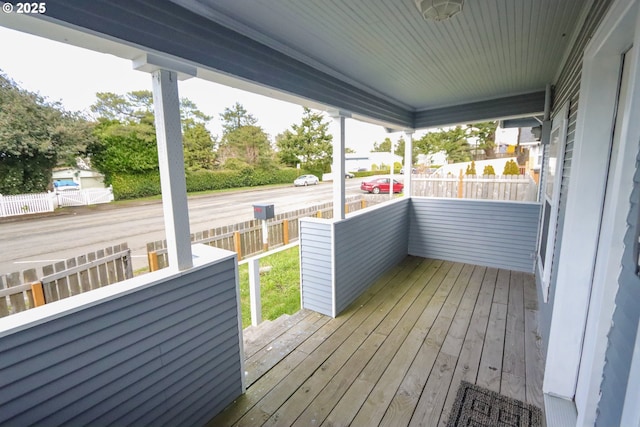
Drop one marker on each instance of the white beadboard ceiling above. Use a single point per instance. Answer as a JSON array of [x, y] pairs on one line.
[[494, 48]]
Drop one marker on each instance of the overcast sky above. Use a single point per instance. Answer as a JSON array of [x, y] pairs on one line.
[[73, 75]]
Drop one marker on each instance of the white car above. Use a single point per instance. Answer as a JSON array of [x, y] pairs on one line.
[[306, 180]]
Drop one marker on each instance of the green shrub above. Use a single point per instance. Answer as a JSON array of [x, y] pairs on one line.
[[471, 169], [488, 170], [133, 186], [511, 168]]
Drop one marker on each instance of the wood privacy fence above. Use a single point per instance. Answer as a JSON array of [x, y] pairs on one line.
[[21, 291], [489, 187], [245, 238]]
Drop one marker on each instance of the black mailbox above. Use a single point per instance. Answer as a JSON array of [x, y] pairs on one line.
[[263, 211]]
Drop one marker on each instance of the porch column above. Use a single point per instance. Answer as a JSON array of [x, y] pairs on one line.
[[408, 161], [166, 104], [338, 167], [391, 168]]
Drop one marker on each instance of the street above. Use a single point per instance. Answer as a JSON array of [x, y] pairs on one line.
[[33, 242]]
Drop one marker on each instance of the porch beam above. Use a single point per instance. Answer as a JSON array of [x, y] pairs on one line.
[[527, 104], [337, 129], [166, 102]]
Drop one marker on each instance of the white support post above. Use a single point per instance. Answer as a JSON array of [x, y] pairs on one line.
[[254, 291], [171, 159], [408, 161], [265, 235], [393, 162], [338, 168]]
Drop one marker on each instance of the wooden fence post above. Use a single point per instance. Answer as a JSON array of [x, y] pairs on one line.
[[285, 231], [237, 243], [460, 184], [319, 214], [363, 203], [153, 261], [38, 294]]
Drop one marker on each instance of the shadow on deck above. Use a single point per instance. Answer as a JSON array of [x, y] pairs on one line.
[[397, 355]]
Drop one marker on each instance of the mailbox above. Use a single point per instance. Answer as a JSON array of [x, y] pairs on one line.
[[263, 211]]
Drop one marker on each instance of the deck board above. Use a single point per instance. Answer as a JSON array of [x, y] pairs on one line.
[[397, 355]]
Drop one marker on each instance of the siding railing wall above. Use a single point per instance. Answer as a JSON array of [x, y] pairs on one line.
[[489, 233], [340, 259], [158, 349]]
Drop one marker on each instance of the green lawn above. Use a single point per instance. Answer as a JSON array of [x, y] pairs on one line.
[[280, 287]]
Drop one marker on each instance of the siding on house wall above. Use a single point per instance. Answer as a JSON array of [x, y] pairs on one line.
[[567, 89], [489, 233], [166, 353], [316, 265], [625, 323], [366, 246]]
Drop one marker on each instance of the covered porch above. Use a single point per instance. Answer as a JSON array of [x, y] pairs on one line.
[[398, 353]]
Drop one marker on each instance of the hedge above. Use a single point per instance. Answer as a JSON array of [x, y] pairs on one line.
[[137, 185], [361, 174]]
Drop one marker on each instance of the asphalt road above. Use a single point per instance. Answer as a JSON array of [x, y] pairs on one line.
[[34, 242]]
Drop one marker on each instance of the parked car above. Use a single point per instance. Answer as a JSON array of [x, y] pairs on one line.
[[349, 175], [381, 185], [306, 180]]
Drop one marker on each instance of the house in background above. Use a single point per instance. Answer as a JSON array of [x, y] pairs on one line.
[[370, 161], [85, 179], [104, 355]]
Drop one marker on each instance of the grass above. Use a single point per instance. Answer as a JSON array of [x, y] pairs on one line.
[[279, 287]]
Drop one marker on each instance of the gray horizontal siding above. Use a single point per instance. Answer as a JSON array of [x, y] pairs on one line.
[[164, 354], [531, 103], [148, 23], [316, 266], [624, 327], [366, 246], [489, 233]]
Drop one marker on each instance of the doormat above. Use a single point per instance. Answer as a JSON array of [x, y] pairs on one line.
[[478, 407]]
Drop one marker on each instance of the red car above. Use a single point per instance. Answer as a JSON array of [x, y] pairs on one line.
[[381, 185]]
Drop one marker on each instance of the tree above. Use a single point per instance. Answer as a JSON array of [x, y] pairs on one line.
[[349, 150], [249, 144], [485, 132], [127, 140], [34, 135], [400, 151], [383, 147], [453, 142], [308, 143], [198, 148], [235, 117], [124, 148]]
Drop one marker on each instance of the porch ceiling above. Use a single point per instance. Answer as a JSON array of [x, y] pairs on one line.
[[378, 60]]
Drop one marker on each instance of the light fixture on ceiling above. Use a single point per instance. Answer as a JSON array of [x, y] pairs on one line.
[[439, 10]]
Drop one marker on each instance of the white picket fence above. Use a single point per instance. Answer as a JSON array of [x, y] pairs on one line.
[[24, 204], [91, 196], [489, 187]]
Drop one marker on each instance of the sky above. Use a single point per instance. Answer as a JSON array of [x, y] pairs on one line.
[[73, 75]]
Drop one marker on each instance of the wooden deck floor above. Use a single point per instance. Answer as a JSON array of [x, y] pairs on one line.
[[398, 354]]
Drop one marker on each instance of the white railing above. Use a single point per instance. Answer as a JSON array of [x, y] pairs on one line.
[[22, 204], [254, 281], [91, 196]]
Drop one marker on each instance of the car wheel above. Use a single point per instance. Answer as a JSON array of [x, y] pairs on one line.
[[376, 190], [306, 183]]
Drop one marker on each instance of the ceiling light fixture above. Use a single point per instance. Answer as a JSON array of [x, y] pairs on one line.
[[439, 10]]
